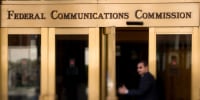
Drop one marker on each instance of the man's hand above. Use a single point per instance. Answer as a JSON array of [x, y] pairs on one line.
[[123, 90]]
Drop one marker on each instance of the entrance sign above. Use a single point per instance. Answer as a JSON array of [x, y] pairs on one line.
[[99, 15]]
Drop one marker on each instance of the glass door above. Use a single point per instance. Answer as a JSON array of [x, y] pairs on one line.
[[73, 63], [174, 66], [122, 48], [175, 63], [71, 66], [50, 64], [21, 63]]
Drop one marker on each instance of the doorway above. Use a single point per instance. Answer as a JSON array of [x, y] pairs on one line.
[[131, 46], [71, 67]]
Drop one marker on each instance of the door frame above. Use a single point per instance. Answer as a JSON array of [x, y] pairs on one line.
[[195, 70], [108, 63], [153, 32], [47, 81], [108, 52], [94, 59], [48, 57], [4, 56]]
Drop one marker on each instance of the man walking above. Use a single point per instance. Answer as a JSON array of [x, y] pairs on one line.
[[147, 86]]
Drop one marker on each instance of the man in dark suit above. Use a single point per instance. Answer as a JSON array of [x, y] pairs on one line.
[[147, 86]]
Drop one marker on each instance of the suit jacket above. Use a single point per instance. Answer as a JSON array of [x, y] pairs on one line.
[[147, 88]]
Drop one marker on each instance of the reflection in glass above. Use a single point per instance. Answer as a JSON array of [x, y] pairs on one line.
[[174, 66], [23, 67]]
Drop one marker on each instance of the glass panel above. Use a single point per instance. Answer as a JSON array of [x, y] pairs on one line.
[[71, 67], [174, 66], [23, 67]]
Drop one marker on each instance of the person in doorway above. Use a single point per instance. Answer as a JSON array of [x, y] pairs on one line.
[[71, 80], [147, 86]]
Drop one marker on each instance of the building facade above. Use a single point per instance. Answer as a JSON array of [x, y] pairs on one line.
[[85, 50]]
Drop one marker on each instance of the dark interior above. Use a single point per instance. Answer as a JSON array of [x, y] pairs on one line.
[[131, 46], [71, 69]]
